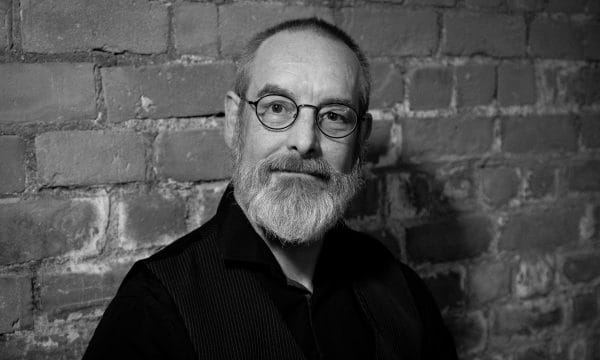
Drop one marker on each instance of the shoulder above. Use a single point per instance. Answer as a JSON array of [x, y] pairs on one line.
[[368, 254], [357, 243], [406, 288], [140, 322], [378, 262], [197, 247], [181, 247], [195, 260]]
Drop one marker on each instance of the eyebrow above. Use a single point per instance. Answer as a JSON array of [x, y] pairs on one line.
[[334, 100], [272, 89]]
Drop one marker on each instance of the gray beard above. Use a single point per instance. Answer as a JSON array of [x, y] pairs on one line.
[[295, 209]]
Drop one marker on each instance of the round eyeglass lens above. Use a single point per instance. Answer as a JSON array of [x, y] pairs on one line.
[[276, 111], [337, 120]]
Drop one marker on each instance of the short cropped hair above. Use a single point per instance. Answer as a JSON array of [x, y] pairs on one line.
[[320, 27]]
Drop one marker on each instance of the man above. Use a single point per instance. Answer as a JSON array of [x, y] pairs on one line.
[[276, 274]]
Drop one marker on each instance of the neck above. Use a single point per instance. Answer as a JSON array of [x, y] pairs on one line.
[[297, 262]]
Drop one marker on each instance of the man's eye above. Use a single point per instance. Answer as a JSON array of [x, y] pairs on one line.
[[331, 116], [276, 108]]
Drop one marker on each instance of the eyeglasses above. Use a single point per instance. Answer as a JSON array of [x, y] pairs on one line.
[[278, 113]]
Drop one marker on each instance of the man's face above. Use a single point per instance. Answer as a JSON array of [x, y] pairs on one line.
[[310, 69], [297, 182]]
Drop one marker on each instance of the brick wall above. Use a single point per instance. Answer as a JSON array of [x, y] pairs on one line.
[[484, 165]]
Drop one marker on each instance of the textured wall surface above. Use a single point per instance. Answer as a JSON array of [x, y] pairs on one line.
[[483, 172]]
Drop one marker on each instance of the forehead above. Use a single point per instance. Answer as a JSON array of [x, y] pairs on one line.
[[306, 63]]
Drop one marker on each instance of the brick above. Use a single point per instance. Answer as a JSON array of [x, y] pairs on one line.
[[11, 347], [534, 353], [408, 195], [46, 92], [449, 239], [587, 224], [367, 201], [575, 348], [539, 134], [430, 88], [192, 155], [59, 292], [596, 222], [150, 219], [240, 21], [445, 3], [458, 186], [581, 268], [15, 303], [90, 157], [392, 31], [541, 182], [446, 288], [390, 236], [534, 276], [485, 4], [516, 84], [38, 229], [488, 281], [446, 136], [388, 85], [195, 28], [571, 6], [594, 345], [475, 85], [554, 39], [12, 158], [551, 82], [431, 190], [166, 91], [583, 87], [593, 7], [591, 41], [526, 5], [526, 319], [579, 349], [542, 230], [5, 7], [468, 331], [590, 131], [585, 308], [496, 35], [498, 185], [61, 342], [379, 140], [584, 177], [78, 25]]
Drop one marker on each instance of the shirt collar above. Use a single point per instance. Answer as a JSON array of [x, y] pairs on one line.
[[242, 246]]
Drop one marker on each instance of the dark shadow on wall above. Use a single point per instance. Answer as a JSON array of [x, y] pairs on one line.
[[428, 219]]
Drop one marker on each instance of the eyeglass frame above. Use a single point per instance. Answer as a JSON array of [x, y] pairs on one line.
[[298, 106]]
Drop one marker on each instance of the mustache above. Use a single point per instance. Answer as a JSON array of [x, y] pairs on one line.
[[292, 163]]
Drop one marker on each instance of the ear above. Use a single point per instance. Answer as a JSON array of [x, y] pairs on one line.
[[365, 128], [232, 104]]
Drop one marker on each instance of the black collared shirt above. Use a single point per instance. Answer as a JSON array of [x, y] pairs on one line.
[[327, 324], [144, 320]]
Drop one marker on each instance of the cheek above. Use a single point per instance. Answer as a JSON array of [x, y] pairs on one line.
[[340, 156], [258, 144]]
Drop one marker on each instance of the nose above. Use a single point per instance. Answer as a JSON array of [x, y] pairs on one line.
[[303, 136]]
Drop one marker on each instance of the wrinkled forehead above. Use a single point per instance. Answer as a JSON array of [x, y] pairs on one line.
[[306, 58]]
